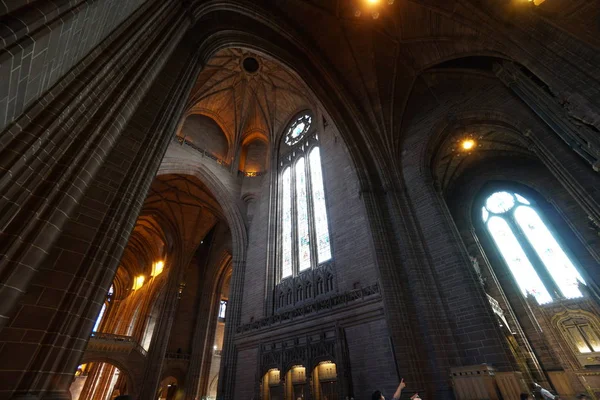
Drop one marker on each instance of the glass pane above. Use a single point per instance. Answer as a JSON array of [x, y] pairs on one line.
[[99, 319], [286, 224], [577, 339], [484, 214], [303, 239], [222, 309], [591, 337], [500, 202], [522, 199], [554, 258], [524, 273], [320, 210]]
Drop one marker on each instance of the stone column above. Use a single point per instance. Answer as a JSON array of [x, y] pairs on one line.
[[234, 315], [418, 327], [102, 138], [201, 359], [162, 329]]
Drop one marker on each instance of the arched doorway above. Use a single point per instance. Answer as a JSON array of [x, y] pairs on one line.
[[99, 381]]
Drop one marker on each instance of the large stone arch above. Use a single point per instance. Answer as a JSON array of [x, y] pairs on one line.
[[133, 373], [230, 205]]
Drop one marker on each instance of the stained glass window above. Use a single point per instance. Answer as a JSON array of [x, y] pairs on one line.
[[520, 266], [305, 240], [529, 248], [298, 129], [302, 218], [99, 319], [286, 223], [320, 210], [222, 309]]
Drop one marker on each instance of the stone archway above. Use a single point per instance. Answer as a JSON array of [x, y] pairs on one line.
[[132, 372]]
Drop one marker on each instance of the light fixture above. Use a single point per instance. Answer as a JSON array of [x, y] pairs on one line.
[[467, 144], [157, 268], [138, 282], [373, 6]]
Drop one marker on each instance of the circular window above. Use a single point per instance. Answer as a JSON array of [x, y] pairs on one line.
[[250, 65], [500, 202], [298, 129]]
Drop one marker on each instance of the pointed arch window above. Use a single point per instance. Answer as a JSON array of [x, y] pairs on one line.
[[532, 253], [103, 309], [304, 227]]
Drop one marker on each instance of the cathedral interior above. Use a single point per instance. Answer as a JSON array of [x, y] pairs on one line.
[[299, 199]]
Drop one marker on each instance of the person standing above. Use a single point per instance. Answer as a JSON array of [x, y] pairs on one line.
[[377, 395]]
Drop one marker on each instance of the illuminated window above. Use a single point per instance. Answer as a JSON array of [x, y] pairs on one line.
[[138, 282], [538, 263], [581, 334], [304, 227], [157, 268], [103, 309], [222, 309], [99, 319]]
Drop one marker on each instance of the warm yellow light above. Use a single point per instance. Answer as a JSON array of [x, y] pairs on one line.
[[138, 282], [468, 144], [157, 268], [372, 1]]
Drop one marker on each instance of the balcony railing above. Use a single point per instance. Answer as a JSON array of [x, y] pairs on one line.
[[220, 161], [100, 341], [202, 151]]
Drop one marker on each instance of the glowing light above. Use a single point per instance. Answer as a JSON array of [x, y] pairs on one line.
[[157, 268], [468, 144], [138, 282], [372, 2]]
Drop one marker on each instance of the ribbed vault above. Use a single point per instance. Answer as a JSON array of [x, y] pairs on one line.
[[249, 95]]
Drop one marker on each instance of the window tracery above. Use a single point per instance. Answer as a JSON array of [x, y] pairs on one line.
[[304, 259], [538, 263], [304, 227]]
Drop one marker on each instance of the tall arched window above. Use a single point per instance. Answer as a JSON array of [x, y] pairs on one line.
[[304, 226], [103, 309], [535, 258]]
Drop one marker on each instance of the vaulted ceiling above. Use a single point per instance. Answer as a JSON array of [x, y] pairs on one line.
[[248, 94], [177, 215]]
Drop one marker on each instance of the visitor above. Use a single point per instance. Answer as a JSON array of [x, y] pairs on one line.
[[545, 394], [377, 395], [583, 396], [526, 396]]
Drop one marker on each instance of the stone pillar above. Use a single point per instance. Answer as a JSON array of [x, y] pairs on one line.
[[101, 138], [418, 327], [198, 373], [234, 316], [162, 329]]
